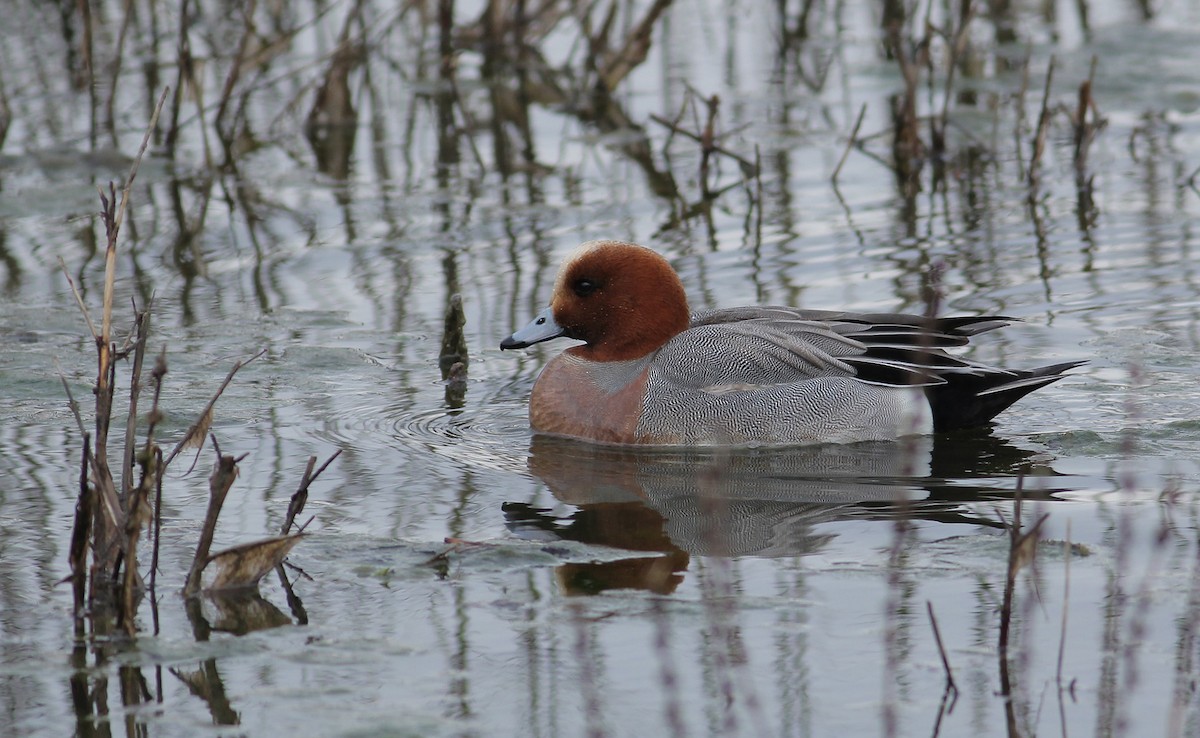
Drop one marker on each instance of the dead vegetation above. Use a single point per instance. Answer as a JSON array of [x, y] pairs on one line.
[[932, 59], [114, 515], [689, 160]]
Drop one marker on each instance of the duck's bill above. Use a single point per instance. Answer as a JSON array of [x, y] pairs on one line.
[[541, 328]]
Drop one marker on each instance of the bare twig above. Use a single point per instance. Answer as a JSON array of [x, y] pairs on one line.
[[142, 325], [81, 533], [1043, 128], [746, 165], [296, 506], [1085, 129], [72, 404], [79, 301], [219, 482], [849, 144], [115, 71], [160, 371], [195, 433], [636, 46]]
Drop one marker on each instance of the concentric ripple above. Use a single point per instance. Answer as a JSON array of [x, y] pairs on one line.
[[487, 434]]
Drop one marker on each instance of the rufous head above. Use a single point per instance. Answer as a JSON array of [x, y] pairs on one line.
[[623, 300]]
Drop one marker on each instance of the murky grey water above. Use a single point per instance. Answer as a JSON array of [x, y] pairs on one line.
[[754, 593]]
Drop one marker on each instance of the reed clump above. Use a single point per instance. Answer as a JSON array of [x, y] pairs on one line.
[[115, 516]]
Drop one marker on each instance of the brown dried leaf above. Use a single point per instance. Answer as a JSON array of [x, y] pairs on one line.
[[243, 565], [199, 431]]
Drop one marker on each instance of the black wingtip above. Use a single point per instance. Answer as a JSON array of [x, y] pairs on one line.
[[969, 401]]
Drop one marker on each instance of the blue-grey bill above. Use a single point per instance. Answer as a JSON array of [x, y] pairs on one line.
[[541, 328]]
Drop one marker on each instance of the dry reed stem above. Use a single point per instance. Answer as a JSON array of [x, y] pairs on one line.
[[714, 146], [1043, 128], [88, 78], [87, 316], [1019, 122], [72, 405], [1085, 129], [160, 371], [81, 532], [197, 430], [142, 327], [235, 69], [633, 52], [223, 474], [296, 506], [182, 73], [115, 72], [958, 43]]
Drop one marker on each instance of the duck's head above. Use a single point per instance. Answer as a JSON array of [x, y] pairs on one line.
[[622, 300]]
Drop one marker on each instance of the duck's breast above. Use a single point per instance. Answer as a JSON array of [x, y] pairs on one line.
[[599, 401]]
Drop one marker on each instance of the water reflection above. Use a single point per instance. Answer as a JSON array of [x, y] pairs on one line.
[[753, 502]]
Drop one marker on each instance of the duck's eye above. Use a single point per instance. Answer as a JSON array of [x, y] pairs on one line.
[[584, 287]]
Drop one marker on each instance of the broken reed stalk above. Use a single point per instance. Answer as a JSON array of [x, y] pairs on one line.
[[958, 43], [81, 532], [1085, 129], [235, 71], [908, 150], [674, 127], [142, 330], [219, 482], [1043, 128], [296, 506], [115, 72], [1019, 123], [152, 454], [617, 65], [182, 74], [88, 77], [199, 429]]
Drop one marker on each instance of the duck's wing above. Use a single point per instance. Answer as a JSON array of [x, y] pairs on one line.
[[872, 328], [752, 346]]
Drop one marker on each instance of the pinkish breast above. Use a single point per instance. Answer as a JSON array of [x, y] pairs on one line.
[[597, 400]]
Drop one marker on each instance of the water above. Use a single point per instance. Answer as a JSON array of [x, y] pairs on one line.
[[464, 578]]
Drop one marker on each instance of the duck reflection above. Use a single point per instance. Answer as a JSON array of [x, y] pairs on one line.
[[767, 502]]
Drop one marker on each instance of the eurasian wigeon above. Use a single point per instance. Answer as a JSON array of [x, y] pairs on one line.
[[649, 372]]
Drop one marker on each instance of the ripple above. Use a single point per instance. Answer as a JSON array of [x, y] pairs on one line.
[[492, 435]]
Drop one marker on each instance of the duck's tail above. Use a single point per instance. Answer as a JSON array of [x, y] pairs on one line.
[[967, 400]]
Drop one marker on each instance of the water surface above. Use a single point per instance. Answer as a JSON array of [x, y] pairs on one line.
[[465, 578]]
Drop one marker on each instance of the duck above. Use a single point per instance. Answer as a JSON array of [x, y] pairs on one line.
[[650, 372]]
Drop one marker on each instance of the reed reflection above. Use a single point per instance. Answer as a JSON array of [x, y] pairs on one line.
[[764, 502]]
